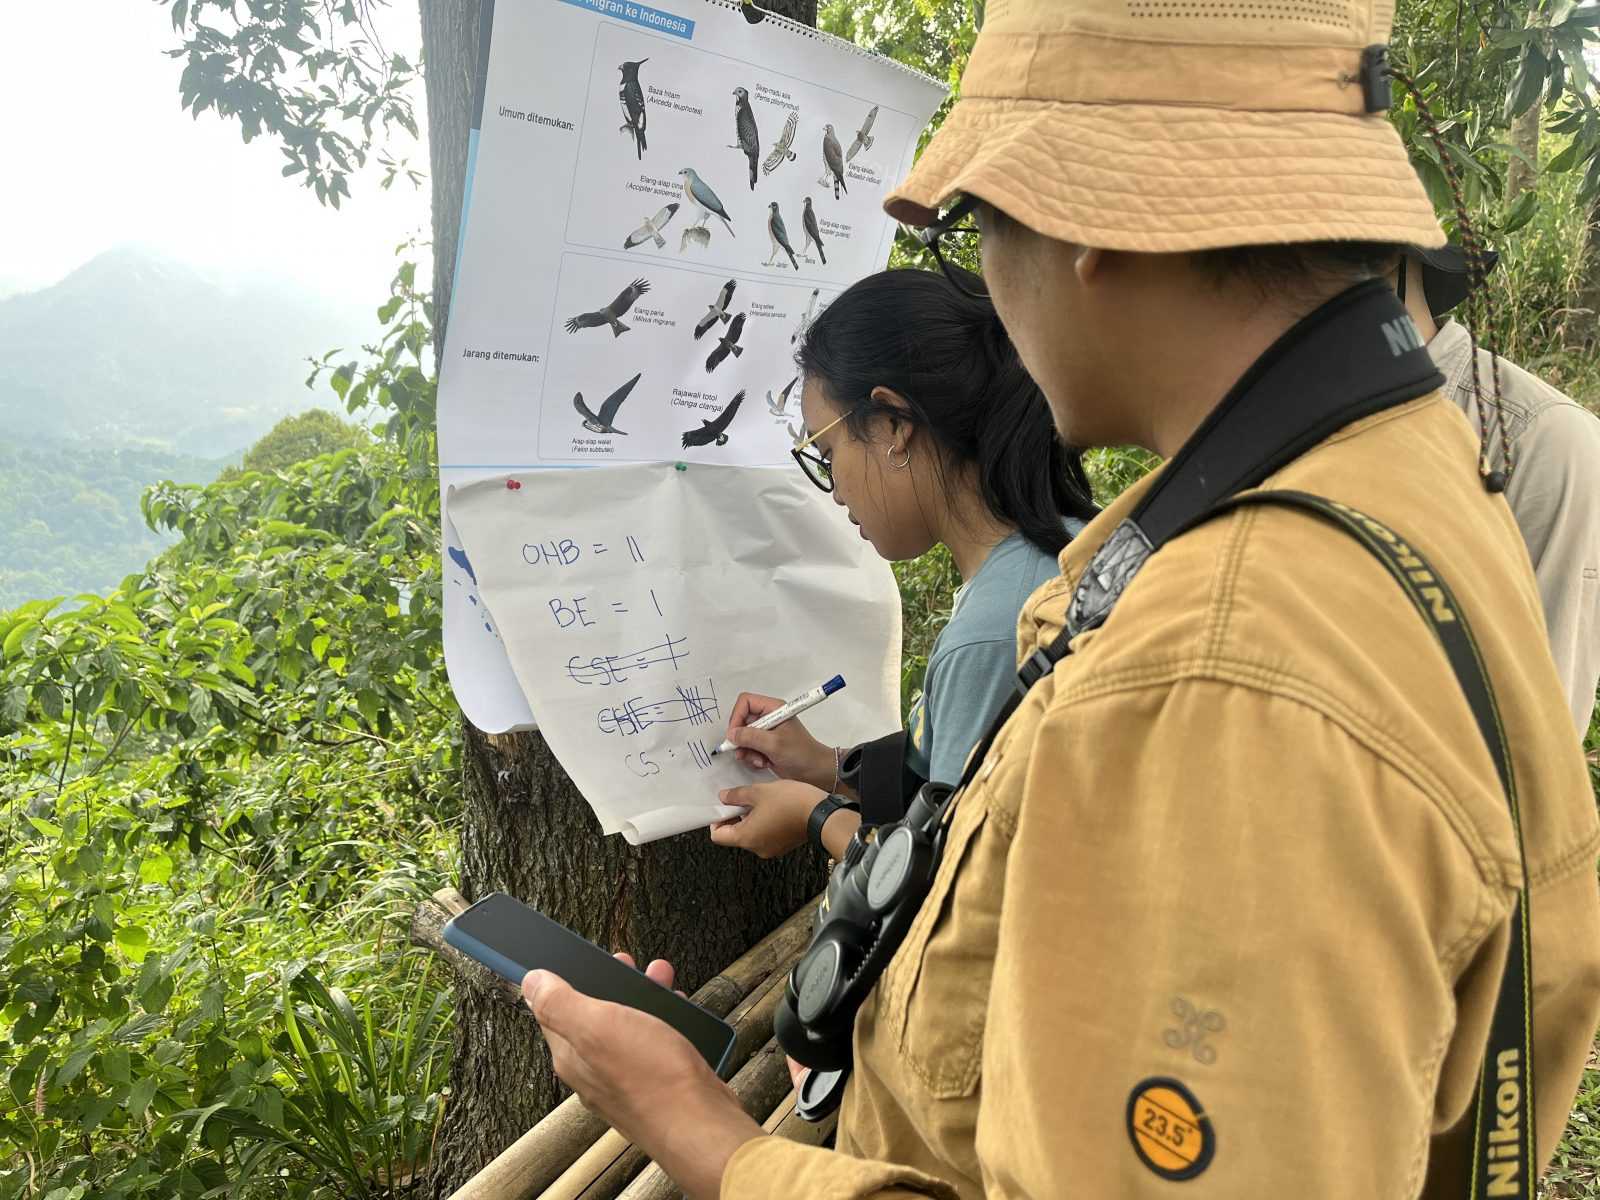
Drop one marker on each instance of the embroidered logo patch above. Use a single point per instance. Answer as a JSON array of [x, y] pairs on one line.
[[1169, 1129]]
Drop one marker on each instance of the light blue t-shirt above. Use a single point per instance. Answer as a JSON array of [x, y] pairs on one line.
[[974, 659]]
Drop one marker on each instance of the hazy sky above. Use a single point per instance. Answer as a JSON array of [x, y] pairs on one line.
[[98, 153]]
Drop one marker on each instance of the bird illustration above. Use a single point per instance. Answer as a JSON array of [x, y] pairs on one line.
[[808, 218], [609, 314], [779, 235], [805, 321], [799, 435], [703, 198], [716, 429], [608, 410], [718, 311], [780, 150], [744, 124], [632, 97], [727, 344], [863, 139], [776, 407], [833, 159], [652, 228]]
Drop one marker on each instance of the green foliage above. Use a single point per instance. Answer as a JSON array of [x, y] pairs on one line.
[[1478, 68], [363, 1096], [224, 783], [314, 77], [292, 440], [1536, 296], [931, 36], [69, 514], [927, 591], [1114, 469]]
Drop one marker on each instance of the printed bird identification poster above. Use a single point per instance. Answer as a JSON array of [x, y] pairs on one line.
[[659, 200]]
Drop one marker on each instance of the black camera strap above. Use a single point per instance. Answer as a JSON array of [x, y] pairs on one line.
[[1504, 1149], [1357, 355]]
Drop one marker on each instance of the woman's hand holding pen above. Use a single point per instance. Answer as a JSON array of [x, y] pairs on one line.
[[788, 751]]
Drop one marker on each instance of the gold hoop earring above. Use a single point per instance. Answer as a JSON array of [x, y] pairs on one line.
[[898, 466]]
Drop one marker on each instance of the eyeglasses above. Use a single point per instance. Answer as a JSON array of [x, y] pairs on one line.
[[949, 226], [818, 469]]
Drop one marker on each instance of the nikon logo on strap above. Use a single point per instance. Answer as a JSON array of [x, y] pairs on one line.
[[1505, 1139], [1415, 569], [1402, 336]]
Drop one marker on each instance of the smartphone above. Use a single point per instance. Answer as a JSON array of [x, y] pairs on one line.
[[511, 939]]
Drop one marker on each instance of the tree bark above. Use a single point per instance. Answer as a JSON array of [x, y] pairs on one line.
[[450, 31], [1587, 325], [1522, 176], [526, 829]]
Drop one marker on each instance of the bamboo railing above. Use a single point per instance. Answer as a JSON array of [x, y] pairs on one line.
[[571, 1154]]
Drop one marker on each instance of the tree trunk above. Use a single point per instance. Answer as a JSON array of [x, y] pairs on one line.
[[1522, 176], [526, 829], [1585, 330]]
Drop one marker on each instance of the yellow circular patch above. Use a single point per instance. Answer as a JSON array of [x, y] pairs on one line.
[[1169, 1129]]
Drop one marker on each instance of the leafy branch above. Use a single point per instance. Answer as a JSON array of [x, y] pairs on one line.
[[313, 76]]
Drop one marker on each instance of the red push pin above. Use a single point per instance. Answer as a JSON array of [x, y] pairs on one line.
[[513, 486]]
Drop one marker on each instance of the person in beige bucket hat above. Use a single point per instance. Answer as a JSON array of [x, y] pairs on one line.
[[1170, 125], [1250, 889]]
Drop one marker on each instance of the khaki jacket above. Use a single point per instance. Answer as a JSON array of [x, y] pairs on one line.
[[1554, 493], [1245, 840]]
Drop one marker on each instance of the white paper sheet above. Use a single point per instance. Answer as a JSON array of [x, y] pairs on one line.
[[637, 609]]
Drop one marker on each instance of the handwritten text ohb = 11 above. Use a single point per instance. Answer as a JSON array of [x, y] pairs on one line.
[[564, 552]]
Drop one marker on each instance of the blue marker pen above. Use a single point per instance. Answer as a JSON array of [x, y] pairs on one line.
[[792, 709]]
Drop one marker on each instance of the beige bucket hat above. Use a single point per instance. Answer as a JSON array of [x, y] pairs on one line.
[[1174, 125]]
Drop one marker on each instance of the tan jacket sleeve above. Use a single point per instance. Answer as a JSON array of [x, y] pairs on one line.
[[1554, 495], [1222, 886], [770, 1166]]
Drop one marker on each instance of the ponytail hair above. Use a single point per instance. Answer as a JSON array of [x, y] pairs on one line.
[[949, 357]]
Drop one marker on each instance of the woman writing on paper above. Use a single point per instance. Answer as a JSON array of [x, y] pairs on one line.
[[922, 422]]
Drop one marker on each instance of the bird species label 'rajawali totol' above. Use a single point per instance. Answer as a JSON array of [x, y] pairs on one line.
[[659, 199]]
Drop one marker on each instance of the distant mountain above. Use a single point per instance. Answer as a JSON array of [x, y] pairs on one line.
[[134, 369], [69, 516], [136, 349]]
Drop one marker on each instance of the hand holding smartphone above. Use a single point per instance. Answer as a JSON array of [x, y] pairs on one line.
[[512, 939]]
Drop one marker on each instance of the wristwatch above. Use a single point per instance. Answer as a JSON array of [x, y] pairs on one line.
[[824, 809]]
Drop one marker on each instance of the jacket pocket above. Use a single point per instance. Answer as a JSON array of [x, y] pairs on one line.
[[938, 984]]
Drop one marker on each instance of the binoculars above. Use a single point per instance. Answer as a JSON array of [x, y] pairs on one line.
[[871, 900]]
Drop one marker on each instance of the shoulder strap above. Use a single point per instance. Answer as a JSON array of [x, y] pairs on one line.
[[883, 779], [1503, 1143]]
